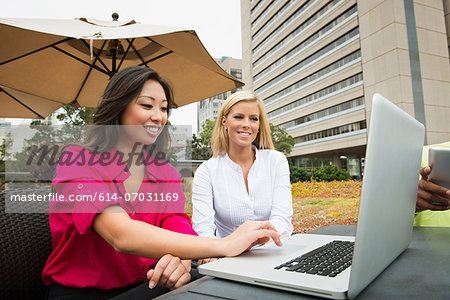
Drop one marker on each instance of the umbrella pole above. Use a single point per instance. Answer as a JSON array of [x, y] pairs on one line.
[[114, 47], [113, 64], [115, 43]]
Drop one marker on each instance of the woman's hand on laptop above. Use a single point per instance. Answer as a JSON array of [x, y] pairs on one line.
[[431, 196], [248, 235]]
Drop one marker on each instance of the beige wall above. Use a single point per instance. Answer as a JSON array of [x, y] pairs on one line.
[[386, 59], [447, 20]]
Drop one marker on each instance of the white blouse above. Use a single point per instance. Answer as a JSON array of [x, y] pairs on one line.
[[221, 202]]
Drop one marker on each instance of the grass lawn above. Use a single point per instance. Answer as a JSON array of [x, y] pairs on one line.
[[312, 213], [318, 204]]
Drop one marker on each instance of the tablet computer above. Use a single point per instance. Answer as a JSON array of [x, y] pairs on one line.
[[439, 160]]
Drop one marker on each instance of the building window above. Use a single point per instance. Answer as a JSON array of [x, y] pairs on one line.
[[256, 7], [325, 51], [324, 113], [275, 17], [322, 73], [236, 73], [346, 83], [295, 16], [310, 163], [263, 14], [331, 132], [343, 18]]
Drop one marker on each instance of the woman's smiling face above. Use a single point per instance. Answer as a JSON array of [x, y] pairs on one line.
[[148, 111], [242, 123]]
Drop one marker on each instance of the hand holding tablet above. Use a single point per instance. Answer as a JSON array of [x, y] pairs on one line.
[[439, 161], [433, 193]]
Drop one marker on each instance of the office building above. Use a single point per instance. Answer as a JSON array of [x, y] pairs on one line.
[[209, 108], [316, 64]]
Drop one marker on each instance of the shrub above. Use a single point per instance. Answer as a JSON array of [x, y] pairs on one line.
[[299, 174], [330, 173]]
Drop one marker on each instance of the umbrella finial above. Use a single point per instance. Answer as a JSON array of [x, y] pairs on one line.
[[115, 16]]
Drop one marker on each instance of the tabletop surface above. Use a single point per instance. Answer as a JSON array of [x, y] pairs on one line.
[[421, 271]]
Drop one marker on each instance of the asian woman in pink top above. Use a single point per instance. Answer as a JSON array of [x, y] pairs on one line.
[[116, 233]]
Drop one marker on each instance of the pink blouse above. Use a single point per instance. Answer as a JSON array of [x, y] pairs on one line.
[[86, 184]]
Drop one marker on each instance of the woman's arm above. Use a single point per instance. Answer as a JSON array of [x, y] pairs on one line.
[[203, 213], [144, 240], [281, 211]]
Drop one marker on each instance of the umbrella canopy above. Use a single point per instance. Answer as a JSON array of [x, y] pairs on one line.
[[46, 64]]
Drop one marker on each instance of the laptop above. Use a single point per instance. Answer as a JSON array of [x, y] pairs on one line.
[[384, 228]]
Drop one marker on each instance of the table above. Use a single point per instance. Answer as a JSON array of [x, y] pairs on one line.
[[421, 272]]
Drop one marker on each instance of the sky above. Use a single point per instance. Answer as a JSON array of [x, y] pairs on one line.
[[216, 22]]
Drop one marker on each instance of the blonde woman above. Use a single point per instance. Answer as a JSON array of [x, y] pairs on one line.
[[245, 179]]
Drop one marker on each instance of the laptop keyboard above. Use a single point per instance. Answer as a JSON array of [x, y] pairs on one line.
[[327, 260]]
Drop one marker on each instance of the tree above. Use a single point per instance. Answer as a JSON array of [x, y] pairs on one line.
[[51, 137], [76, 115], [40, 153], [2, 162], [282, 141], [199, 147], [171, 156]]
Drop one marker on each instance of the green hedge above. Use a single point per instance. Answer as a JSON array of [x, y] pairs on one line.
[[326, 173]]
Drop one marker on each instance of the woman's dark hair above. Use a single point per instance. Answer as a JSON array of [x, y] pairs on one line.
[[122, 89]]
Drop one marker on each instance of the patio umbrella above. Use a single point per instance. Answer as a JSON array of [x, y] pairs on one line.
[[46, 63]]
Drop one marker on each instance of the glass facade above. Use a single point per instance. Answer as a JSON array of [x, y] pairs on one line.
[[263, 14], [296, 32], [349, 162], [330, 111], [237, 73], [321, 33], [271, 20], [325, 51], [257, 6], [353, 166], [322, 73], [310, 163], [331, 132], [321, 94]]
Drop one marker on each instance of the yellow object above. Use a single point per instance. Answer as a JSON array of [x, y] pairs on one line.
[[432, 218]]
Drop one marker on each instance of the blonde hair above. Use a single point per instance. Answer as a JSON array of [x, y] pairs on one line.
[[219, 139]]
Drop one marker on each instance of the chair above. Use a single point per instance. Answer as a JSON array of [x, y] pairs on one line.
[[26, 244]]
